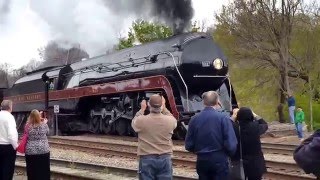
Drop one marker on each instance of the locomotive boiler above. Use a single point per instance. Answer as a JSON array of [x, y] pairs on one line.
[[102, 94]]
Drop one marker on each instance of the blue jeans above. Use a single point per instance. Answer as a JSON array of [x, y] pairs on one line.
[[299, 130], [155, 167], [211, 170], [291, 113]]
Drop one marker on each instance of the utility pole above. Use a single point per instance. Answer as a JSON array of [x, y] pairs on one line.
[[310, 103]]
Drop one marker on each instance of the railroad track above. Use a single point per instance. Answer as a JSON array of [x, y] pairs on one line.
[[181, 158], [271, 148], [124, 138], [277, 148], [73, 170]]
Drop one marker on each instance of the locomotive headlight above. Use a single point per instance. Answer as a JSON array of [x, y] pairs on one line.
[[217, 64]]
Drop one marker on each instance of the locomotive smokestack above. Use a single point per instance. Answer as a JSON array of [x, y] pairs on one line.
[[177, 13]]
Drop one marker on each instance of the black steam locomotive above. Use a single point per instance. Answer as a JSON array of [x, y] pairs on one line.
[[103, 93]]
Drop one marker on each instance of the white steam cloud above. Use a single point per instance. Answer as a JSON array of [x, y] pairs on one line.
[[26, 25], [95, 25], [89, 23], [21, 33]]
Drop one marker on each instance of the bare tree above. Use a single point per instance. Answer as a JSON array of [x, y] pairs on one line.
[[55, 55], [263, 33], [306, 52], [4, 73], [22, 71]]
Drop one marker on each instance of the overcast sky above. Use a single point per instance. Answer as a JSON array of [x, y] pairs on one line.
[[22, 32]]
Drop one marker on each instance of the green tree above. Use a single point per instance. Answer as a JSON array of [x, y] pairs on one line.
[[147, 31], [143, 32], [126, 42]]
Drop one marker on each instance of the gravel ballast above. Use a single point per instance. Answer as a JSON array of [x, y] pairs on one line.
[[72, 155]]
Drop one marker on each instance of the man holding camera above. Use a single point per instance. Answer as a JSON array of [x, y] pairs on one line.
[[154, 139]]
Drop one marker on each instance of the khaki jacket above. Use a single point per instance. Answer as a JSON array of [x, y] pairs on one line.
[[154, 132]]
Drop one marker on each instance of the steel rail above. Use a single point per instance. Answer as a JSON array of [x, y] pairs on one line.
[[20, 165], [180, 158], [271, 148]]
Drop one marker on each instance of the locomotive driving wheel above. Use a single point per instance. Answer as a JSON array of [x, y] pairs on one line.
[[95, 124], [122, 127], [106, 127], [179, 133], [132, 132]]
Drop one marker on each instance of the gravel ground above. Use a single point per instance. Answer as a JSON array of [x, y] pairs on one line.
[[279, 158], [132, 163], [109, 161], [284, 140], [276, 126], [73, 155]]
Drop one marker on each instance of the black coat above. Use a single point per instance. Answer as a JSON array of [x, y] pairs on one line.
[[307, 155], [253, 160]]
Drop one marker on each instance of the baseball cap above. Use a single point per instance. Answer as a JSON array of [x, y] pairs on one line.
[[155, 101]]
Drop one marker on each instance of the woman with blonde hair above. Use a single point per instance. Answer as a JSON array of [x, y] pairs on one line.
[[37, 148]]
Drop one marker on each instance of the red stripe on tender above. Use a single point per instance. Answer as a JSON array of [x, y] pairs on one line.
[[146, 83]]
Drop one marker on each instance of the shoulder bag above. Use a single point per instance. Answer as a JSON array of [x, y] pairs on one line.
[[22, 145], [237, 170]]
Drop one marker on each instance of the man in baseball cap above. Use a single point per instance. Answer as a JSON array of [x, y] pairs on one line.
[[154, 133]]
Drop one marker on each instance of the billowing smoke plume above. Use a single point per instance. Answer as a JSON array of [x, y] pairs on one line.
[[96, 24], [87, 22], [93, 25], [177, 13]]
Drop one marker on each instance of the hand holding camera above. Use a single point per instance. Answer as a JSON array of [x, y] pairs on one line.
[[43, 119], [234, 114], [254, 115], [143, 105]]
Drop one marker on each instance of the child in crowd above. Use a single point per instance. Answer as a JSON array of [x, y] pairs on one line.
[[298, 120]]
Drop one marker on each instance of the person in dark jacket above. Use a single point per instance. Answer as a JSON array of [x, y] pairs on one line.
[[292, 106], [211, 136], [251, 128], [307, 155]]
